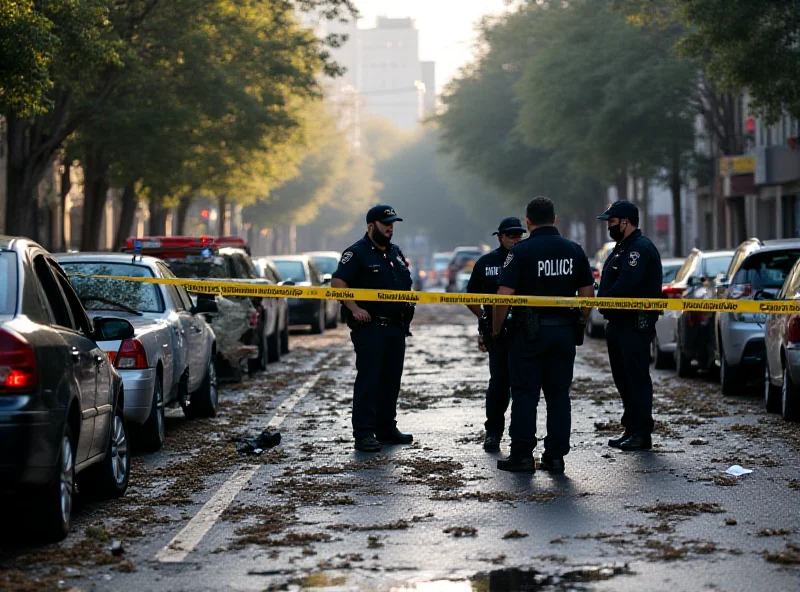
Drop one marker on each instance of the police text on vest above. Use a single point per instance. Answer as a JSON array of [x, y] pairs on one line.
[[554, 267]]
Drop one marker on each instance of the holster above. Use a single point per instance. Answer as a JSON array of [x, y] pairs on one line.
[[527, 321], [579, 330]]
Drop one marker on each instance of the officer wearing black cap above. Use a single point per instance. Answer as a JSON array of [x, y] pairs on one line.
[[632, 270], [484, 280], [378, 330], [543, 340]]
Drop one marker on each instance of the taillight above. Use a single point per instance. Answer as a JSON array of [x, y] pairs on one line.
[[18, 367], [131, 356], [737, 291], [793, 330], [254, 319], [672, 292]]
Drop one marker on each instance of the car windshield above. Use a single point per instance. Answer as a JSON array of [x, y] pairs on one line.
[[138, 296], [199, 267], [717, 265], [293, 271], [462, 258], [8, 287], [766, 271], [668, 272], [327, 265], [440, 262]]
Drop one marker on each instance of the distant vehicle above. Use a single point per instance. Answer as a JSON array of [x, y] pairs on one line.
[[171, 355], [300, 270], [662, 350], [62, 401], [596, 323], [327, 263], [437, 276], [460, 258], [694, 330], [782, 368], [757, 272], [247, 329], [602, 254], [270, 273]]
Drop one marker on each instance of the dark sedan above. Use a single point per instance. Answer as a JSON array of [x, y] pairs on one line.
[[300, 270], [61, 401]]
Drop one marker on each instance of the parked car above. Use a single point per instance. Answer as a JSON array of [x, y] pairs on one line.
[[270, 273], [782, 368], [602, 254], [662, 353], [460, 258], [171, 355], [300, 270], [246, 329], [327, 263], [61, 401], [596, 323], [758, 275], [694, 330]]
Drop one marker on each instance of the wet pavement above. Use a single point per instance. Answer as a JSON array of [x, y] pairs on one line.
[[314, 514]]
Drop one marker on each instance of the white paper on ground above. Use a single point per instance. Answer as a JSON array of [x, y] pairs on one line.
[[738, 471]]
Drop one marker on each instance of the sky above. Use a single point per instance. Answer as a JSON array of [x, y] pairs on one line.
[[447, 27]]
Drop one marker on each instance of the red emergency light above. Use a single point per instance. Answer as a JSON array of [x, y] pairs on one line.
[[176, 247]]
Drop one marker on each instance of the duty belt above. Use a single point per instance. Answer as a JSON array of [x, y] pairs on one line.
[[555, 321], [388, 321]]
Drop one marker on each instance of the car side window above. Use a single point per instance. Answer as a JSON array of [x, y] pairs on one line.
[[792, 284], [53, 298], [76, 308]]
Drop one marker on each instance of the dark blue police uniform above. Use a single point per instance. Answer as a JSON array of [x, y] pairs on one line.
[[544, 264], [485, 279], [632, 270], [380, 345]]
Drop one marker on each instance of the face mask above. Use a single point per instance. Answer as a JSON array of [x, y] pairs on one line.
[[378, 237], [615, 232]]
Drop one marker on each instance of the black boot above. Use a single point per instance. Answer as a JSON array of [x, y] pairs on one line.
[[517, 464], [491, 443], [368, 444], [394, 436], [553, 463], [615, 442], [637, 442]]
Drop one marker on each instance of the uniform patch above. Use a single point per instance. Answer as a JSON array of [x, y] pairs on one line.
[[508, 259], [346, 256], [634, 258]]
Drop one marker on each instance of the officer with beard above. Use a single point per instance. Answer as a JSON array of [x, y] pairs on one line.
[[632, 270], [484, 280], [378, 330]]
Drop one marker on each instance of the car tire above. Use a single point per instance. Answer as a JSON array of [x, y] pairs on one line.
[[54, 506], [682, 364], [109, 478], [318, 321], [730, 376], [772, 394], [790, 399], [661, 359], [333, 323], [203, 402], [150, 436], [274, 346], [260, 363], [285, 341]]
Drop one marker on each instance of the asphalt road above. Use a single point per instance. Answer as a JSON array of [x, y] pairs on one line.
[[313, 513]]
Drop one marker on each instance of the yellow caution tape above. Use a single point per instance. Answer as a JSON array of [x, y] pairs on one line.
[[256, 289]]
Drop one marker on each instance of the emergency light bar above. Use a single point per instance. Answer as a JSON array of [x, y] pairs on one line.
[[180, 246]]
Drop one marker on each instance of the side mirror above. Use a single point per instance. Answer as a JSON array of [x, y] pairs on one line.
[[326, 279], [110, 329], [205, 306], [286, 283]]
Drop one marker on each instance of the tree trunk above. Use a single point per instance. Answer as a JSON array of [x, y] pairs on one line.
[[644, 200], [126, 216], [222, 214], [675, 187], [95, 189], [66, 187], [621, 184], [158, 217], [183, 211]]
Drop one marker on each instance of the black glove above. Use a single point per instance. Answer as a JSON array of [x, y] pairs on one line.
[[408, 316]]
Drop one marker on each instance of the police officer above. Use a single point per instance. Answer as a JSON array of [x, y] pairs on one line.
[[632, 270], [542, 352], [378, 330], [484, 280]]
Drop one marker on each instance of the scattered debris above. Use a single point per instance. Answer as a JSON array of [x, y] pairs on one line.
[[116, 548], [725, 480], [683, 510], [257, 446], [514, 534], [767, 532], [738, 471], [731, 522], [789, 557], [461, 531]]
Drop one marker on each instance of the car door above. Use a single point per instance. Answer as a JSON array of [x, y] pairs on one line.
[[81, 368], [775, 328]]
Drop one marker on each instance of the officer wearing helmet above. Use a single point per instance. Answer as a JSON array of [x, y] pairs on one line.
[[378, 329], [484, 280], [632, 270]]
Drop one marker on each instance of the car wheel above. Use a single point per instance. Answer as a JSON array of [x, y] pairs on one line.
[[151, 434], [729, 376], [661, 360], [54, 507], [790, 406], [203, 402], [334, 322], [318, 322], [259, 363], [274, 347], [683, 364], [772, 394], [109, 478], [285, 340]]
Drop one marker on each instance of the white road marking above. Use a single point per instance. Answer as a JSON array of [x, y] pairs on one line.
[[190, 535]]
